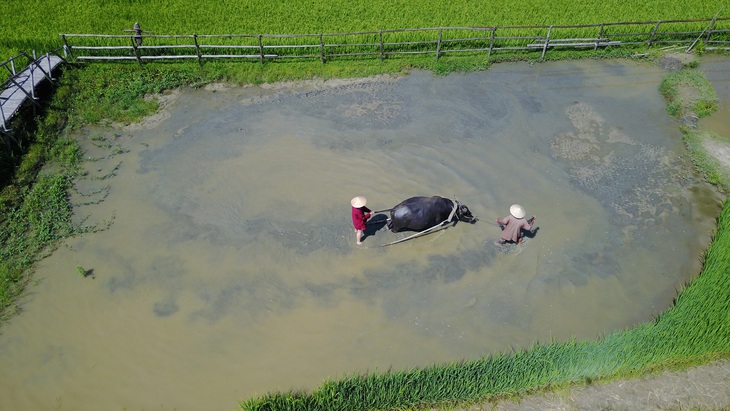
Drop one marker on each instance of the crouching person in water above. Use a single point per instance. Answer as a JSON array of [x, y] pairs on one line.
[[360, 215], [514, 225]]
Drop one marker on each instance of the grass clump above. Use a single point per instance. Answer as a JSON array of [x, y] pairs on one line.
[[688, 93], [36, 211], [30, 231], [699, 143], [690, 96]]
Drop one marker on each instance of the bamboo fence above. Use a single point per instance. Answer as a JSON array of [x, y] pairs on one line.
[[713, 34]]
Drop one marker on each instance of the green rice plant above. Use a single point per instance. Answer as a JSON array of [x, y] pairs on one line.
[[20, 31]]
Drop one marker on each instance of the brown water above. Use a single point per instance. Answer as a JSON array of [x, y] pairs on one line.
[[230, 267], [717, 70]]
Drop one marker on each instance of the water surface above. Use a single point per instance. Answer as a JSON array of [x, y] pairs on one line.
[[229, 266]]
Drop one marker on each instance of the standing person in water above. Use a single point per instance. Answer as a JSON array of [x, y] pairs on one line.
[[360, 215], [513, 225]]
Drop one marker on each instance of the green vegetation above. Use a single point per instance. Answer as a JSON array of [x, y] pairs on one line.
[[697, 141], [690, 96], [36, 212], [20, 28], [37, 169], [688, 93]]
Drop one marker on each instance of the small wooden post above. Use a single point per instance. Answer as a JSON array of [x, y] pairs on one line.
[[653, 32], [381, 45], [600, 36], [197, 49], [709, 29], [438, 43], [547, 41], [261, 48], [136, 39], [135, 49], [491, 43], [66, 47], [321, 49]]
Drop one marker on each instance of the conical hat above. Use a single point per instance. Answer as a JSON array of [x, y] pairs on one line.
[[358, 201], [517, 211]]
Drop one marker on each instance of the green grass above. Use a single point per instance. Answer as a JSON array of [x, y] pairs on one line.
[[20, 28], [36, 212], [706, 164], [30, 231], [688, 92]]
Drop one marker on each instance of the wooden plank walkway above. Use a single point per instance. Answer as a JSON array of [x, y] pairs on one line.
[[22, 86]]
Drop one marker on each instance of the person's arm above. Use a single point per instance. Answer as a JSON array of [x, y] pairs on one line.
[[530, 222]]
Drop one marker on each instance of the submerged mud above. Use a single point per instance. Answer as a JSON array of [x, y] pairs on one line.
[[229, 266]]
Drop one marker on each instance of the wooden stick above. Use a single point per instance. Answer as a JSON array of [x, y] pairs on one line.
[[414, 235], [712, 23]]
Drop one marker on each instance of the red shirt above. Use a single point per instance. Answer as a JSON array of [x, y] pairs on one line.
[[359, 217]]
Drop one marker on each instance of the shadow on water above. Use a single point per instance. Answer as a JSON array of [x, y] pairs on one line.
[[231, 267], [376, 223]]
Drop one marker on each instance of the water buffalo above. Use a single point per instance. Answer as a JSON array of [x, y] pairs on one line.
[[421, 213]]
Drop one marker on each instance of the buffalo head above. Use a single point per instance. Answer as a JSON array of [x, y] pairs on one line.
[[464, 214]]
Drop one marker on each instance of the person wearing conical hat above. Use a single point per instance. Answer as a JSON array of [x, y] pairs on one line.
[[360, 215], [513, 225]]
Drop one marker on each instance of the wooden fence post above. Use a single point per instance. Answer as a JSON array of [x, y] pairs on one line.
[[438, 43], [66, 46], [197, 49], [261, 48], [321, 49], [491, 43], [545, 46], [135, 49], [653, 32], [381, 45], [709, 29], [600, 36]]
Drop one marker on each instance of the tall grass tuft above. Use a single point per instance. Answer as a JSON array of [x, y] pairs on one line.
[[688, 92]]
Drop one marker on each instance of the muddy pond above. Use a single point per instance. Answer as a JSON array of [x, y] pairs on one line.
[[226, 265]]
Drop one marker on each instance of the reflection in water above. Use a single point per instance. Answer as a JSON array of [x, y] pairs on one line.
[[230, 268]]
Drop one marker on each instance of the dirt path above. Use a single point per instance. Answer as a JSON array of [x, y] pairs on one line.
[[704, 388]]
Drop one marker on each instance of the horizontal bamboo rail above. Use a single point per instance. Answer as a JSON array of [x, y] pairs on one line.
[[714, 33]]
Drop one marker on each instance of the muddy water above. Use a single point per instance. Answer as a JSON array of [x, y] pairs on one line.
[[718, 72], [229, 266]]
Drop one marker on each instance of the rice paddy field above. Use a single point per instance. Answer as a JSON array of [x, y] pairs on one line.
[[36, 24], [696, 329]]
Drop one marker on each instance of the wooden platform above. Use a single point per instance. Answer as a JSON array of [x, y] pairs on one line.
[[21, 86]]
